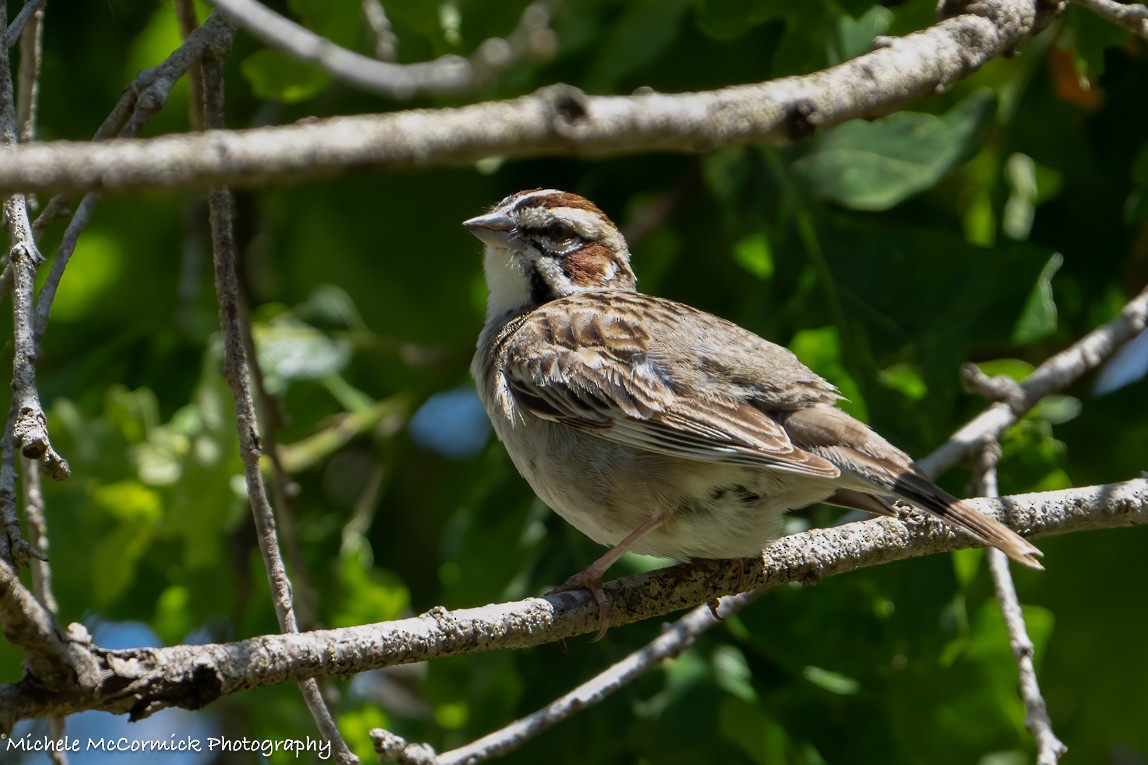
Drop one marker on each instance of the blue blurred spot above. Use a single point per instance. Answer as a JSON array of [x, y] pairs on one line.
[[86, 729], [453, 424], [1128, 365]]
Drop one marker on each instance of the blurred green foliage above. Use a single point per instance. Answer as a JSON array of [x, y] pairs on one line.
[[996, 223]]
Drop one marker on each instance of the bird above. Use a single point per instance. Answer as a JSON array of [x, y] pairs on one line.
[[657, 428]]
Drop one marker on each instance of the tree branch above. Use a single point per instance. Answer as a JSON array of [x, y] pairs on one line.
[[141, 100], [26, 428], [449, 74], [135, 680], [28, 624], [238, 376], [12, 34], [1049, 748], [558, 120], [670, 643], [1056, 373], [1131, 16]]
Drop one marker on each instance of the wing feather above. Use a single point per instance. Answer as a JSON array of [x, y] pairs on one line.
[[591, 364]]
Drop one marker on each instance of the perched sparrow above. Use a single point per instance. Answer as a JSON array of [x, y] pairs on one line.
[[657, 428]]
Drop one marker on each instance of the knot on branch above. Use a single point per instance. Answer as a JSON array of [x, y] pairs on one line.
[[989, 455], [568, 107], [392, 748], [17, 551], [30, 435], [26, 252], [802, 119], [999, 388]]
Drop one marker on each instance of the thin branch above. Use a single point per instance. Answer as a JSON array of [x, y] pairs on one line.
[[30, 430], [269, 407], [12, 34], [27, 425], [237, 373], [28, 87], [669, 644], [1131, 16], [38, 538], [1049, 749], [558, 120], [386, 42], [140, 101], [188, 23], [141, 680], [28, 624], [449, 74], [1056, 373], [42, 578]]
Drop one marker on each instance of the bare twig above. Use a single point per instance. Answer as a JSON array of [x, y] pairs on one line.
[[1000, 388], [38, 537], [237, 373], [42, 577], [28, 87], [386, 43], [559, 120], [1049, 749], [140, 101], [1131, 16], [12, 34], [188, 23], [269, 406], [675, 639], [28, 624], [1054, 374], [28, 431], [141, 680], [449, 74]]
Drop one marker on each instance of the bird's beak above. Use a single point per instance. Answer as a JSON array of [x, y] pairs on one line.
[[494, 229]]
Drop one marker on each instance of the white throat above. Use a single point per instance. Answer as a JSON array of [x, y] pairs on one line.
[[509, 286]]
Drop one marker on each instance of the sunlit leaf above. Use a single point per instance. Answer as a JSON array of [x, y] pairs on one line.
[[1038, 317], [875, 165], [754, 255], [276, 75]]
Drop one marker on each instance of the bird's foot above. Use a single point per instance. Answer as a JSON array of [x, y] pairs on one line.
[[590, 580]]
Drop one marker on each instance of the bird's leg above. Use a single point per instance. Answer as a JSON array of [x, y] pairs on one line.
[[590, 578]]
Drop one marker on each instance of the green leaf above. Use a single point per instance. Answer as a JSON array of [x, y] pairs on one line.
[[644, 30], [280, 77], [820, 350], [356, 726], [1057, 409], [340, 22], [369, 594], [727, 19], [1017, 369], [754, 255], [290, 350], [1038, 318], [856, 32], [1091, 37], [732, 673], [834, 682], [904, 379], [876, 165]]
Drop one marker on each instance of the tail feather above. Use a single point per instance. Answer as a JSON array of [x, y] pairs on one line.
[[919, 491]]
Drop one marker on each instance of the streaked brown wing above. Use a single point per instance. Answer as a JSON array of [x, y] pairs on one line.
[[590, 364]]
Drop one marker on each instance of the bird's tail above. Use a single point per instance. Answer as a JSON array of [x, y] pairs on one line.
[[922, 493]]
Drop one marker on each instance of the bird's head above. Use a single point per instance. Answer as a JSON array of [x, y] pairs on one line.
[[545, 244]]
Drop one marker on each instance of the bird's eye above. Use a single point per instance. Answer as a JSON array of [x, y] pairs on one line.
[[558, 231]]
